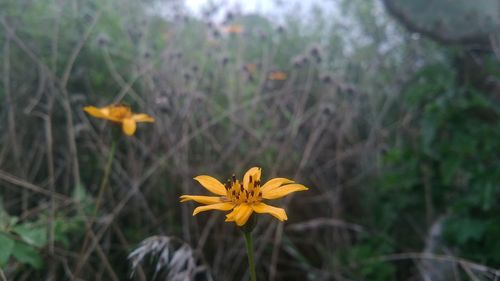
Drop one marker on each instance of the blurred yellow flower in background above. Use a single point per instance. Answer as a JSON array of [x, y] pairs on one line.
[[251, 68], [243, 198], [233, 29], [120, 114], [277, 75]]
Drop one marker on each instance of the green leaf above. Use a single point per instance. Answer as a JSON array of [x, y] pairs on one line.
[[36, 236], [6, 246], [463, 230], [27, 254], [64, 230], [449, 167]]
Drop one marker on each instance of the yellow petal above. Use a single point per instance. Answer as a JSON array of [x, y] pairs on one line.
[[243, 215], [277, 75], [102, 112], [107, 111], [254, 172], [94, 111], [128, 126], [283, 191], [99, 112], [218, 206], [274, 183], [201, 199], [213, 185], [142, 118], [230, 216], [240, 214], [278, 213]]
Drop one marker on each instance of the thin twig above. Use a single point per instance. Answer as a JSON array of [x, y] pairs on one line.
[[22, 183], [428, 256]]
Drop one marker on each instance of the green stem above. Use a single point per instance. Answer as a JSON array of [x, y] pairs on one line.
[[105, 179], [249, 246]]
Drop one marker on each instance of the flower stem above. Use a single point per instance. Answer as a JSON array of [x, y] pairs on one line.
[[105, 179], [249, 246]]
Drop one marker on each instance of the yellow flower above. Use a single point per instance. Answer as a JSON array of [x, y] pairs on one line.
[[277, 75], [243, 198], [251, 68], [233, 29], [120, 114]]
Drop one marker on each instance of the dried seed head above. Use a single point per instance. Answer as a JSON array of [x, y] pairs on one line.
[[326, 78], [315, 51], [297, 61], [175, 259], [102, 40]]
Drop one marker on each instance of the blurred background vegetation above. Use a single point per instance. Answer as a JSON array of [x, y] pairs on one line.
[[388, 111]]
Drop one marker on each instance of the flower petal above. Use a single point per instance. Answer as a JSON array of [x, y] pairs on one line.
[[274, 183], [219, 206], [240, 214], [201, 199], [94, 111], [230, 216], [102, 112], [129, 126], [282, 191], [212, 184], [254, 172], [243, 214], [142, 118], [278, 213]]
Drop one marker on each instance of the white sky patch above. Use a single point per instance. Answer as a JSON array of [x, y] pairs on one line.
[[273, 9], [247, 6]]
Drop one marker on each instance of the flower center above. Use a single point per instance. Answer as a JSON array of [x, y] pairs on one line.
[[120, 111], [237, 194]]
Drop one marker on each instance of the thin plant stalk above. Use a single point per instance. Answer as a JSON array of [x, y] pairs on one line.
[[251, 262], [105, 179], [102, 188]]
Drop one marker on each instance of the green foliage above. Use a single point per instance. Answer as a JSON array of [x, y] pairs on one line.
[[446, 165], [25, 241], [28, 254], [21, 240], [6, 247], [31, 234], [368, 266]]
